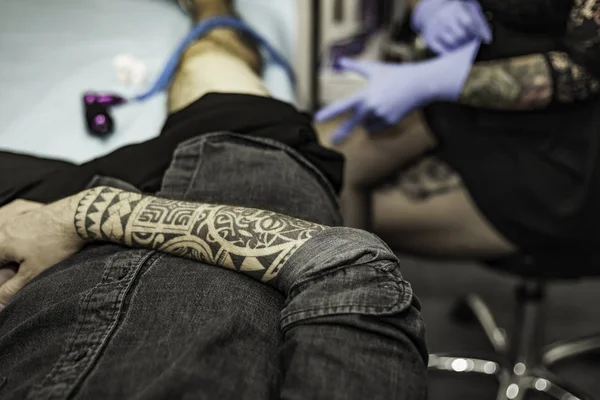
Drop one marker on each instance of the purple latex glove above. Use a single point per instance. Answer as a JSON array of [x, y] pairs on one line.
[[394, 90], [446, 25]]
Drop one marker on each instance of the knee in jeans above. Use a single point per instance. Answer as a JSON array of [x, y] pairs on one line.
[[251, 172], [343, 271]]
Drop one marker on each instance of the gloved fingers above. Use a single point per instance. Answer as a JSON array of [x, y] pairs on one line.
[[479, 26], [464, 24], [437, 47], [447, 40], [349, 125], [362, 67], [464, 19], [339, 107], [455, 29]]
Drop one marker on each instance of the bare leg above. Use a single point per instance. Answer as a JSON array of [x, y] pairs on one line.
[[428, 212], [218, 62], [372, 158]]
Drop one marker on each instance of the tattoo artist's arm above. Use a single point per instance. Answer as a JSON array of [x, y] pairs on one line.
[[528, 82], [253, 242]]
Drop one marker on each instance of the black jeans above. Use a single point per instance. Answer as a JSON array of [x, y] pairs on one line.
[[339, 322]]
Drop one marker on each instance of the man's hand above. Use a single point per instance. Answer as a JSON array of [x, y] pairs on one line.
[[15, 208], [6, 213], [34, 237]]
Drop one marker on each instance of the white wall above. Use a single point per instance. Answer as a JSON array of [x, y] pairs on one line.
[[331, 31]]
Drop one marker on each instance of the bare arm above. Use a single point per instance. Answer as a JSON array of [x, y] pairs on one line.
[[512, 84], [253, 242], [528, 82], [535, 81]]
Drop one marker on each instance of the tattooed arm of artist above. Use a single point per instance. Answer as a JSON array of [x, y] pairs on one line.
[[253, 242], [528, 82]]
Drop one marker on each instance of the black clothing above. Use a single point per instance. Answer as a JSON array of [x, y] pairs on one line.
[[534, 173], [143, 165]]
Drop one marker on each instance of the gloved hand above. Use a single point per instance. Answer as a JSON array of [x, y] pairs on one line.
[[394, 90], [446, 25]]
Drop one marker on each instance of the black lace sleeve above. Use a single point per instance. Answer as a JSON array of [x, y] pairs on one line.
[[576, 71]]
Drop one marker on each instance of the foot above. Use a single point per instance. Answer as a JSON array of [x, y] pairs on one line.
[[203, 9], [245, 47]]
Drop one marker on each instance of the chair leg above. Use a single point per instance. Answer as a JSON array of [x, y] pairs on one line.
[[474, 305], [525, 373], [542, 381], [563, 350]]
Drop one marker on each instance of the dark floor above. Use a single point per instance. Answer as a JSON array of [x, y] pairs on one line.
[[573, 311]]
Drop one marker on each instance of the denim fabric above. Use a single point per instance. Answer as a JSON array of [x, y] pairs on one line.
[[251, 172], [339, 322]]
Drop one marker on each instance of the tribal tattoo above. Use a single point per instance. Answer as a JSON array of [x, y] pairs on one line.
[[513, 84], [255, 242]]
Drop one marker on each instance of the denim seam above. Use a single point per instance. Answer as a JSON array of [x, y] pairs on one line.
[[75, 332], [88, 362], [405, 294], [141, 260], [403, 286], [307, 281], [303, 315], [199, 148], [302, 161]]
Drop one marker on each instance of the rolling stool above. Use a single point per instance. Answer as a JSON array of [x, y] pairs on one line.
[[522, 366]]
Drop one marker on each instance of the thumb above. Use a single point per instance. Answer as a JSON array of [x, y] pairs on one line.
[[479, 25], [361, 67], [339, 107], [12, 286]]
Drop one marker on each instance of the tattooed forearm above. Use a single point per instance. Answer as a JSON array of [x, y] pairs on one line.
[[254, 242], [513, 84]]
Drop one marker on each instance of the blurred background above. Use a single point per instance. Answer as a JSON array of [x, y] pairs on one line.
[[51, 52]]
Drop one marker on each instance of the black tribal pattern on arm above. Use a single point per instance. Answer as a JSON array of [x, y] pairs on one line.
[[255, 242]]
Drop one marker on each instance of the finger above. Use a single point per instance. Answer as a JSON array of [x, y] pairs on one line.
[[361, 67], [12, 287], [455, 28], [349, 126], [464, 20], [479, 25], [17, 207], [338, 108], [6, 274], [447, 41], [438, 47]]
